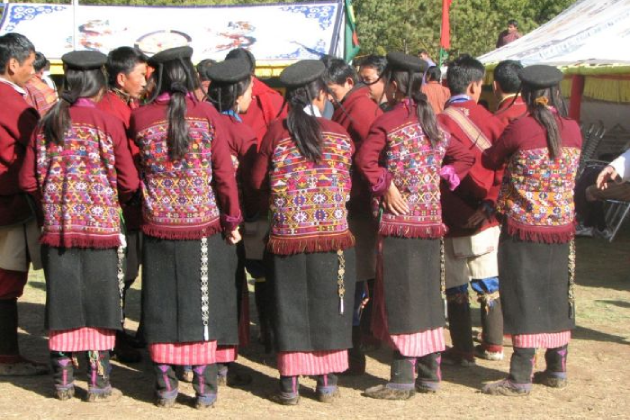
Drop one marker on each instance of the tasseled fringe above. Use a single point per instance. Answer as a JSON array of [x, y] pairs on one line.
[[559, 235], [410, 231], [85, 241], [290, 246], [183, 234]]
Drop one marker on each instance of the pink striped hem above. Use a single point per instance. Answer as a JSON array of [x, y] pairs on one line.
[[226, 354], [293, 363], [82, 339], [194, 354], [543, 340], [418, 344]]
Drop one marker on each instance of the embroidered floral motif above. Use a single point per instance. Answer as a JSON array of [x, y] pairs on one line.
[[178, 194], [79, 187], [415, 165], [538, 191], [309, 199]]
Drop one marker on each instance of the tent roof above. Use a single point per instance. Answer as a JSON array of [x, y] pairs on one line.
[[587, 38]]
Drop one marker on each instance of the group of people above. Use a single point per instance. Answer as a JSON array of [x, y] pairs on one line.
[[394, 204]]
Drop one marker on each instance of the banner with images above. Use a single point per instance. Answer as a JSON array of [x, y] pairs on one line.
[[276, 32]]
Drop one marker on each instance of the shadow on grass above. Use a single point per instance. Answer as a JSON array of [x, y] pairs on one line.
[[581, 333]]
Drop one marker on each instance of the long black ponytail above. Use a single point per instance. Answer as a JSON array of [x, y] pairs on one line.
[[411, 83], [304, 128], [538, 101], [76, 84], [178, 78]]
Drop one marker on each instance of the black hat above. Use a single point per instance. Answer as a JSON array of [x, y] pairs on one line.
[[170, 55], [229, 71], [84, 60], [302, 72], [402, 61], [540, 76]]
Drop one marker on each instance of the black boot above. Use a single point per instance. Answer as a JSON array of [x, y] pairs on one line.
[[555, 376], [327, 388], [263, 308], [9, 328], [491, 347], [205, 385], [519, 381], [460, 329], [63, 374], [356, 357], [402, 383], [289, 391], [166, 384], [429, 374], [98, 370]]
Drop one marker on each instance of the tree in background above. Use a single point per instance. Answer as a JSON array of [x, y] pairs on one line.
[[409, 25]]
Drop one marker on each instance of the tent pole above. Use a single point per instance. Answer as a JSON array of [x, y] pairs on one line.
[[575, 103]]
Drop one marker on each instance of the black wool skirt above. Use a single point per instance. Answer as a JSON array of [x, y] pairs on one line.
[[534, 286], [81, 288], [172, 291], [411, 283], [306, 302]]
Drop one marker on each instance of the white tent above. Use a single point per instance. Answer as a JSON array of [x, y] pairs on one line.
[[588, 42], [589, 32], [277, 34]]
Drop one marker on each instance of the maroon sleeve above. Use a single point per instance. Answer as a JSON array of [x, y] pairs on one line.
[[364, 116], [247, 155], [28, 171], [223, 175], [495, 156], [126, 172], [261, 163], [459, 157], [367, 160]]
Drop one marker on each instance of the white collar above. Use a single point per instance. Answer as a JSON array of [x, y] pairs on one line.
[[17, 88], [311, 109]]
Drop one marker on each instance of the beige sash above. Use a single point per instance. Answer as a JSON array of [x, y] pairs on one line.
[[469, 128]]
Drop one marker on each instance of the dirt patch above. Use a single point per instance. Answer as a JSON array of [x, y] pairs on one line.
[[598, 367]]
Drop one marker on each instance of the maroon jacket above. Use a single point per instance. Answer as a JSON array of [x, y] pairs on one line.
[[179, 201], [481, 184], [17, 121], [114, 105], [537, 192], [81, 181], [510, 110], [265, 106], [356, 114]]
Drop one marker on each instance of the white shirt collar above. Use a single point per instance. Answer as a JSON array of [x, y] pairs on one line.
[[311, 109], [17, 88]]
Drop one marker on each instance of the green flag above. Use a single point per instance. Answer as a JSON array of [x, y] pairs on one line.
[[352, 46]]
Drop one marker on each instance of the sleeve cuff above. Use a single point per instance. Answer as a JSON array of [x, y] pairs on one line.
[[230, 223], [619, 165], [448, 174], [383, 183]]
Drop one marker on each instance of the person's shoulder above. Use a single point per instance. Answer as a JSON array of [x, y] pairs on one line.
[[331, 126]]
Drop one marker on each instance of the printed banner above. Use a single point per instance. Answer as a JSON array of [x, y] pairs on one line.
[[279, 32]]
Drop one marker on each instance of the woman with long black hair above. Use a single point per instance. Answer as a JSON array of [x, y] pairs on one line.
[[231, 93], [79, 167], [304, 163], [402, 159], [189, 200], [536, 250]]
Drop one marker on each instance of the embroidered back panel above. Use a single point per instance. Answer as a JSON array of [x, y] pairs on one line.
[[537, 191], [415, 165], [78, 180], [309, 199], [178, 193]]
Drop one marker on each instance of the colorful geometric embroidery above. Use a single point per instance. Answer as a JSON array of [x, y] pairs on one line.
[[538, 191], [177, 194], [415, 165], [308, 199], [79, 187]]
